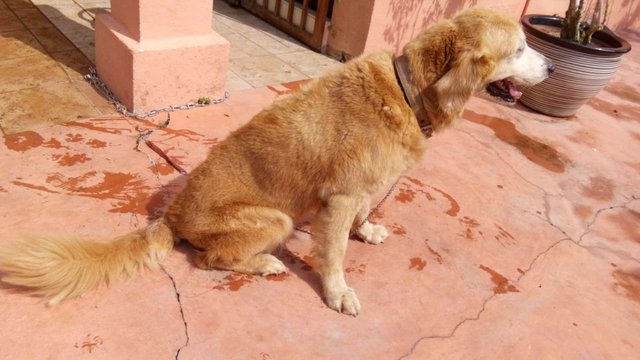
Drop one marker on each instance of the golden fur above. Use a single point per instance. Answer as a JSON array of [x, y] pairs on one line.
[[324, 149]]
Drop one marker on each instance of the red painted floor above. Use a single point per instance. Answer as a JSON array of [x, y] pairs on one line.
[[518, 236]]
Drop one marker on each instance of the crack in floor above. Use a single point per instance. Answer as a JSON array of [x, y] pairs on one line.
[[184, 320], [524, 273], [546, 194], [600, 211], [568, 238], [484, 304], [488, 147]]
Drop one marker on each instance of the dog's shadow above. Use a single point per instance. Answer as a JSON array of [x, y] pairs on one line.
[[300, 267]]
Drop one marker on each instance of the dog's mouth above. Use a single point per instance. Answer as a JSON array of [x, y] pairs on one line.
[[505, 90]]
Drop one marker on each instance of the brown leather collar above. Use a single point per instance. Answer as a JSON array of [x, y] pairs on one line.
[[412, 94]]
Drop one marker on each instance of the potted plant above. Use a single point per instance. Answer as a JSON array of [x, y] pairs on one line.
[[586, 55]]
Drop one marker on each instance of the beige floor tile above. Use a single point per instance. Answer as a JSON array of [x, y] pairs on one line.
[[18, 4], [93, 96], [309, 63], [19, 44], [41, 70], [90, 52], [88, 4], [32, 18], [93, 11], [53, 2], [73, 62], [61, 10], [220, 27], [241, 47], [235, 83], [52, 39], [265, 70], [222, 7], [78, 30], [242, 23], [271, 43], [43, 106], [9, 22]]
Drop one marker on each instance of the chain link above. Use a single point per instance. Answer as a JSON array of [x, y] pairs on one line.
[[93, 79]]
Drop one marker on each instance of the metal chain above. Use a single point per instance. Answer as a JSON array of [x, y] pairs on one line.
[[93, 78]]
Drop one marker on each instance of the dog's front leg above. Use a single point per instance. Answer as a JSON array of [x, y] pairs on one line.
[[368, 232], [331, 233]]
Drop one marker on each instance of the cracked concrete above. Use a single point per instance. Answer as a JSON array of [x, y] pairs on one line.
[[516, 237], [184, 321], [523, 274]]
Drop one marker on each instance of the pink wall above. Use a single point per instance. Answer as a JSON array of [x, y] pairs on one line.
[[367, 25]]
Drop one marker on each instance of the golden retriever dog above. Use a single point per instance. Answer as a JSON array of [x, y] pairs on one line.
[[325, 149]]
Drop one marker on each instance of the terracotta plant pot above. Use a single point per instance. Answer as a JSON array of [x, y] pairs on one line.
[[581, 70]]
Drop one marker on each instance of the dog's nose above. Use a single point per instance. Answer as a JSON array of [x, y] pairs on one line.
[[550, 67]]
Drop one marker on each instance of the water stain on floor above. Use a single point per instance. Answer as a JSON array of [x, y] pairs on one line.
[[584, 212], [70, 159], [417, 263], [360, 269], [502, 285], [504, 237], [599, 188], [538, 153], [620, 111], [96, 144], [129, 192], [33, 186], [455, 207], [437, 255], [405, 196], [584, 137], [627, 221], [95, 125], [23, 141], [234, 281], [74, 137], [398, 229], [470, 228], [628, 284], [408, 194], [624, 91]]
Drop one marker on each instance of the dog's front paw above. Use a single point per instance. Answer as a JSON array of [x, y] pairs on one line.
[[273, 267], [345, 302], [372, 234]]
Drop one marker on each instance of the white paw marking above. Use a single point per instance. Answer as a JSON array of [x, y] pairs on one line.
[[274, 267], [345, 301], [372, 234]]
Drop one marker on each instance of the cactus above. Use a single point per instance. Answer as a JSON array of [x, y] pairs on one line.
[[575, 29]]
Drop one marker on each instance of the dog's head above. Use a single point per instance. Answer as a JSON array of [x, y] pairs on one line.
[[480, 50]]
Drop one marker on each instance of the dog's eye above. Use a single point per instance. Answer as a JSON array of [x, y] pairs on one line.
[[520, 50]]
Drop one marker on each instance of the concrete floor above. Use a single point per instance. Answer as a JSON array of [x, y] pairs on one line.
[[54, 39], [518, 236]]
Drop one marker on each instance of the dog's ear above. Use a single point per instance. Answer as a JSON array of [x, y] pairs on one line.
[[465, 75], [431, 53]]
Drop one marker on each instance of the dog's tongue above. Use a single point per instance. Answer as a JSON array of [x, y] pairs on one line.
[[513, 91]]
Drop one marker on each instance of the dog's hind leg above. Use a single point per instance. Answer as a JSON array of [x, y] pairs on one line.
[[331, 233], [368, 232], [243, 239]]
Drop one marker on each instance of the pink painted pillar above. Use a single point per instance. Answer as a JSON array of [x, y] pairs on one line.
[[155, 53]]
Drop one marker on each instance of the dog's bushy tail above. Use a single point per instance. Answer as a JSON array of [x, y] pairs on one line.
[[64, 267]]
